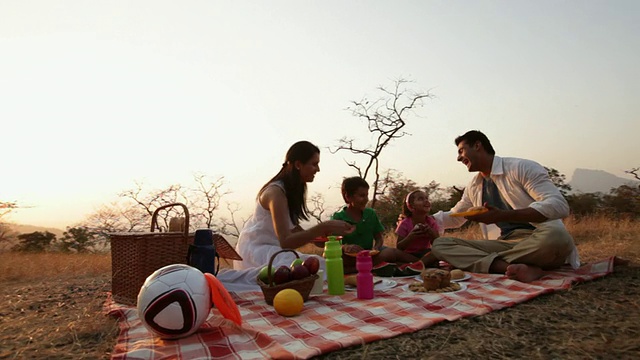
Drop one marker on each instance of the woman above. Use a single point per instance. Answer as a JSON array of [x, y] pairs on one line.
[[280, 206]]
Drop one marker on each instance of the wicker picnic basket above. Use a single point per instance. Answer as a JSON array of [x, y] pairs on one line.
[[303, 286], [135, 256]]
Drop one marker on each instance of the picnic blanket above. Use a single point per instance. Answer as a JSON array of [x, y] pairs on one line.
[[328, 323]]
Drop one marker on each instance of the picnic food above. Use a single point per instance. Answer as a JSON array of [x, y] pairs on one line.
[[282, 275], [351, 280], [351, 248], [282, 279], [264, 273], [288, 302], [299, 271], [471, 211], [295, 262], [312, 264], [418, 287], [457, 274], [434, 279]]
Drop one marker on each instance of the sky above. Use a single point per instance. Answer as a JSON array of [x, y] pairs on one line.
[[96, 95]]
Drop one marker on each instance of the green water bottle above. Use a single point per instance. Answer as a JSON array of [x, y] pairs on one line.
[[335, 271]]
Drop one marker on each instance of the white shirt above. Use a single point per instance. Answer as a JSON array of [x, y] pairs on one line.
[[522, 183], [258, 241]]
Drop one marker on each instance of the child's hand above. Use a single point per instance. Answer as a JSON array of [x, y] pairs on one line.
[[420, 229]]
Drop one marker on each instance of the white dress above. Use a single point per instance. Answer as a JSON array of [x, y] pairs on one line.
[[258, 241]]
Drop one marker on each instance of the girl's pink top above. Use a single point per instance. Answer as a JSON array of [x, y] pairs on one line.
[[421, 243]]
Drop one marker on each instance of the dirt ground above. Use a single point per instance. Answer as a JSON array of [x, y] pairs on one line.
[[63, 319]]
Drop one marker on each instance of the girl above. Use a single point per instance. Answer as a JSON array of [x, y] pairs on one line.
[[418, 229], [280, 206]]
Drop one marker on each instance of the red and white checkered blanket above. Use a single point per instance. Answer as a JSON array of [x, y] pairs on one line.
[[329, 323]]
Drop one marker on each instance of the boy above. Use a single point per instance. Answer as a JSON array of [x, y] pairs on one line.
[[368, 233]]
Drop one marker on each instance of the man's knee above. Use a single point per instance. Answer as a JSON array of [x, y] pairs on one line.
[[440, 244], [558, 240]]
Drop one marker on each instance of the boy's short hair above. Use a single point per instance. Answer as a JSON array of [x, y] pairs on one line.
[[351, 184]]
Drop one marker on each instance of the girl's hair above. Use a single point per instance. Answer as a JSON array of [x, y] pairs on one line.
[[351, 184], [407, 200], [295, 189]]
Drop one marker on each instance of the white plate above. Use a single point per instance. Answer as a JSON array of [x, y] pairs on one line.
[[466, 276], [385, 284], [405, 276], [463, 287]]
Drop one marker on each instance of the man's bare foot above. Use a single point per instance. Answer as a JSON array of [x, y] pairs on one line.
[[524, 273]]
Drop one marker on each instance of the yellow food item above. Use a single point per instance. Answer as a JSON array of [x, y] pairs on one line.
[[457, 274], [351, 280], [471, 211], [288, 302]]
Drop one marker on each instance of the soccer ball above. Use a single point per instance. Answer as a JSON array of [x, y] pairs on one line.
[[174, 301]]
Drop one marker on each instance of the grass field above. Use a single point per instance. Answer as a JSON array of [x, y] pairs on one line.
[[52, 308]]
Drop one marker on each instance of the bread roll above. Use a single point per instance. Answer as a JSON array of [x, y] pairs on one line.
[[351, 280], [457, 274]]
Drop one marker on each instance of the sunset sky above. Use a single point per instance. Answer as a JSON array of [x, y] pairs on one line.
[[96, 95]]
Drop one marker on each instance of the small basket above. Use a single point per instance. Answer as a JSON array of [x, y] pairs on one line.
[[303, 286], [135, 256]]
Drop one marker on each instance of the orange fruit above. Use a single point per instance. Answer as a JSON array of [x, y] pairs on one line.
[[288, 302]]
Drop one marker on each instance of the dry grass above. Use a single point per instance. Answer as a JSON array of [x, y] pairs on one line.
[[52, 308], [37, 266]]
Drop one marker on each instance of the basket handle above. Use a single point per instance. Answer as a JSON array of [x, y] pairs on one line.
[[154, 218], [269, 274]]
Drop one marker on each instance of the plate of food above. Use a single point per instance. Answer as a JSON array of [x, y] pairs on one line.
[[418, 287], [456, 276], [371, 253], [353, 250], [380, 284], [321, 239], [436, 281], [476, 210]]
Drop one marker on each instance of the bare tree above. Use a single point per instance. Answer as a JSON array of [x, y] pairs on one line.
[[7, 235], [208, 194], [7, 207], [230, 226], [386, 119], [116, 217], [150, 201], [634, 172], [317, 207]]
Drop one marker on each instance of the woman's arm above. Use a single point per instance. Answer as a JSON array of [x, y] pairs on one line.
[[274, 200]]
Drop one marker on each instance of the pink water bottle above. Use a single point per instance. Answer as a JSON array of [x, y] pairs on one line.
[[364, 279]]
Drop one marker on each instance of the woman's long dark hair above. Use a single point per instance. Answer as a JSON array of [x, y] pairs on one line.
[[295, 189]]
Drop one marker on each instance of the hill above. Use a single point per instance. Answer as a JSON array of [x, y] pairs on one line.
[[27, 229], [591, 181]]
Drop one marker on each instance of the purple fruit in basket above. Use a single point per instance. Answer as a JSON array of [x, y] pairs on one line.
[[312, 264], [282, 275], [299, 272]]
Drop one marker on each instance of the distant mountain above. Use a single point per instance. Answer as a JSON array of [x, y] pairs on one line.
[[591, 181], [28, 229]]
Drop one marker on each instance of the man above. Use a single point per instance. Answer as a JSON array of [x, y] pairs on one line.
[[523, 205]]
